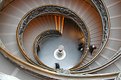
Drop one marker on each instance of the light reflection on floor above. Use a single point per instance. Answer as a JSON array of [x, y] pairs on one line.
[[46, 54]]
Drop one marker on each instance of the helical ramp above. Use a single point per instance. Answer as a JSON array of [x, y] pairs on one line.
[[53, 39]]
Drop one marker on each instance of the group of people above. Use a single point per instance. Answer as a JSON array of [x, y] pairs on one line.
[[91, 47], [80, 48]]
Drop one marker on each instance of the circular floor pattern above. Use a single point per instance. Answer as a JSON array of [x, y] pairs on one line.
[[46, 54], [60, 53]]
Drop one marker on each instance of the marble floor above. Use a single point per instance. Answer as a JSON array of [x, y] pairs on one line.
[[48, 47]]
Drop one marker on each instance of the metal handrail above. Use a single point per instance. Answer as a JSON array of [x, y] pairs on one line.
[[38, 71], [49, 9], [104, 41], [106, 30]]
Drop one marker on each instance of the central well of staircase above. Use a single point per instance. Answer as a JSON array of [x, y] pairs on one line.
[[61, 21]]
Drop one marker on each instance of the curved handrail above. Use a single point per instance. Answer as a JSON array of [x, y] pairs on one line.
[[100, 6], [26, 67], [111, 61], [51, 9], [39, 39], [39, 71], [5, 3]]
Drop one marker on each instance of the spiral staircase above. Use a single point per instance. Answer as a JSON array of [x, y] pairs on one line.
[[98, 22]]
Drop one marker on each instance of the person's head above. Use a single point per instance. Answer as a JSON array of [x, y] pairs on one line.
[[93, 46]]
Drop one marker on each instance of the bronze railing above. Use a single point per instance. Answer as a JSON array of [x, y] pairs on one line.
[[49, 9], [99, 5]]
